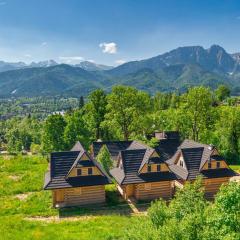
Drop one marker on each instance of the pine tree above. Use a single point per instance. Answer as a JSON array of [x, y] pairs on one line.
[[81, 102]]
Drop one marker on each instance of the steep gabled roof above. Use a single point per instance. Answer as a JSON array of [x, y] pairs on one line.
[[166, 148], [61, 163], [77, 147], [114, 147], [195, 155], [192, 158], [132, 160]]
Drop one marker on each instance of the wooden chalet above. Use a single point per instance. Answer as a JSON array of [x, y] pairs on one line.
[[75, 178], [193, 159], [142, 174]]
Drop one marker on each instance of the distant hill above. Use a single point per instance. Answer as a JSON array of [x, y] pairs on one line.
[[91, 66], [7, 66], [56, 80], [214, 59], [175, 70]]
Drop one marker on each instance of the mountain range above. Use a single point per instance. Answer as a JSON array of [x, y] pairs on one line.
[[176, 70]]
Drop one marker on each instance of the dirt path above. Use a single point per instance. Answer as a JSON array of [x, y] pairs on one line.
[[93, 214]]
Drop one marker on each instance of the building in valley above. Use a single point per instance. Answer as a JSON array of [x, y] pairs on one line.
[[75, 178], [142, 173], [193, 159]]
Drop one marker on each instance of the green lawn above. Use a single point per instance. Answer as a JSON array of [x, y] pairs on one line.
[[22, 199], [235, 168]]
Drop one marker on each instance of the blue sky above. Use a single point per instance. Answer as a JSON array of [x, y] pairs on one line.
[[111, 32]]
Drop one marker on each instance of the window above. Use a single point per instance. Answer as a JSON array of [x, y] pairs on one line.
[[218, 164], [121, 166], [79, 172], [149, 168], [209, 165], [158, 168], [181, 163], [89, 171]]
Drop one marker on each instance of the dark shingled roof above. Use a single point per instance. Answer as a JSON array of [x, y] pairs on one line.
[[62, 162], [167, 147], [132, 160], [195, 155], [114, 147]]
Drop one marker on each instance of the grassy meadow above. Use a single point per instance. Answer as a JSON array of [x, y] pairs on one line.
[[26, 211]]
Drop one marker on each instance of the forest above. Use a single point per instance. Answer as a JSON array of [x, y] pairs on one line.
[[207, 116]]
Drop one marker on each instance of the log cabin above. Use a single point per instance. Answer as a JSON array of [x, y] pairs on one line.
[[193, 159], [75, 178], [142, 174]]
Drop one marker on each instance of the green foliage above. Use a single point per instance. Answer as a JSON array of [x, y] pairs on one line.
[[81, 102], [228, 132], [158, 213], [75, 130], [125, 113], [222, 92], [125, 108], [189, 200], [226, 210], [53, 133], [198, 110], [104, 158], [21, 133], [190, 217], [95, 112]]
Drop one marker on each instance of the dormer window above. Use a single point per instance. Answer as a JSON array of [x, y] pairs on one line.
[[158, 168], [79, 172], [218, 164], [120, 165], [209, 165], [90, 171], [181, 163], [149, 168]]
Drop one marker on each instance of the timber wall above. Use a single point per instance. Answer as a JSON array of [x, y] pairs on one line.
[[79, 196], [154, 190], [212, 186]]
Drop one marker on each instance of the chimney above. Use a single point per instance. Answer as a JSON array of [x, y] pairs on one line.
[[159, 135]]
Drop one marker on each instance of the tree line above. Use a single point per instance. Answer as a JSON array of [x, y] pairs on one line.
[[211, 117], [190, 217]]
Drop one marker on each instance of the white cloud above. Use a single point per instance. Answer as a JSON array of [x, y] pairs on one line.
[[110, 48], [120, 61], [43, 43], [71, 59]]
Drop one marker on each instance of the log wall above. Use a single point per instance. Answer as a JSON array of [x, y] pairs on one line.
[[154, 190], [79, 196], [212, 186]]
